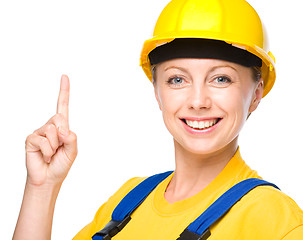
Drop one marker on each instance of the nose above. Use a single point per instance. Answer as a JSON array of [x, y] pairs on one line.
[[199, 98]]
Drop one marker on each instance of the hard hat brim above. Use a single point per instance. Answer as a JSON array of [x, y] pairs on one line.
[[268, 61]]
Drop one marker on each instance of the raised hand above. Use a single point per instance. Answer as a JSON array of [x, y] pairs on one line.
[[52, 149], [50, 153]]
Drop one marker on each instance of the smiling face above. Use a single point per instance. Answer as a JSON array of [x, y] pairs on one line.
[[205, 102]]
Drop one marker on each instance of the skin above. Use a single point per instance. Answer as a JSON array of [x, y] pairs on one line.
[[184, 88], [50, 153], [192, 88]]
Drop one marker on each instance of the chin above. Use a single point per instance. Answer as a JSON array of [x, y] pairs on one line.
[[206, 146], [199, 147]]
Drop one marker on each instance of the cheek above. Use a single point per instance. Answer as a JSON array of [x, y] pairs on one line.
[[233, 103], [170, 101], [239, 97]]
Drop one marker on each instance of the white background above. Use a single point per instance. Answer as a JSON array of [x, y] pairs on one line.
[[112, 107]]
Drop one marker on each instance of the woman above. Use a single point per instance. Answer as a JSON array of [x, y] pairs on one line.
[[209, 72]]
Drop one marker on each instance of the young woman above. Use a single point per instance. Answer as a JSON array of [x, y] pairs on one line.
[[210, 71]]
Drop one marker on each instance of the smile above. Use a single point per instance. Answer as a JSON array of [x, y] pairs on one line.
[[201, 124]]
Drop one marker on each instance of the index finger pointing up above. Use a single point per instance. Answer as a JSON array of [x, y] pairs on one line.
[[63, 99]]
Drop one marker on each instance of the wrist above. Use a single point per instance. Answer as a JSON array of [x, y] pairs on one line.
[[37, 209], [46, 191]]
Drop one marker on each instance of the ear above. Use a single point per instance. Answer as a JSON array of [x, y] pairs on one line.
[[258, 93], [157, 96]]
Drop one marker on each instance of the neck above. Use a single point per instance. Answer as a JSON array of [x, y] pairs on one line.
[[195, 171]]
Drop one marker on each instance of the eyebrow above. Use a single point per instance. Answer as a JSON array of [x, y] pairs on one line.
[[211, 70], [180, 68], [222, 66]]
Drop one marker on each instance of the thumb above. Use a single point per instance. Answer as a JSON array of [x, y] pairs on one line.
[[69, 141]]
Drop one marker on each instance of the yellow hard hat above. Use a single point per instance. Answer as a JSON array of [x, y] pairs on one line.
[[232, 21]]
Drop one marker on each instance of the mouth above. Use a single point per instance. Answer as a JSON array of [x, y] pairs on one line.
[[201, 125]]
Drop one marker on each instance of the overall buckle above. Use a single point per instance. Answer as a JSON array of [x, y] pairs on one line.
[[188, 235], [112, 228]]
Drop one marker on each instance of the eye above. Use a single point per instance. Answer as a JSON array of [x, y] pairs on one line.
[[221, 81], [176, 81]]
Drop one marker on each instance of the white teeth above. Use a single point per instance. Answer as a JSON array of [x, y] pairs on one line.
[[201, 124], [195, 124]]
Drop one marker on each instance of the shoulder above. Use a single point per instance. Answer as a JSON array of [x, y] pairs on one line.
[[269, 212], [125, 189], [273, 200], [114, 200], [103, 215]]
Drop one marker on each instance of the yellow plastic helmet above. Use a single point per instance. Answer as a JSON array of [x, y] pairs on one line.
[[232, 21]]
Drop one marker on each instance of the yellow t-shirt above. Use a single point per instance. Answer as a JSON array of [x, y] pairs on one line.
[[265, 213]]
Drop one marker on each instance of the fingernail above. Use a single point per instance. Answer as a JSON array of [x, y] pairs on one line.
[[63, 131]]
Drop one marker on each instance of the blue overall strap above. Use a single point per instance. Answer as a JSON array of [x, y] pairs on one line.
[[121, 214], [199, 229]]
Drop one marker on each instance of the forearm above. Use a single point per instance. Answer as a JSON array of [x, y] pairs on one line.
[[50, 153], [36, 214]]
